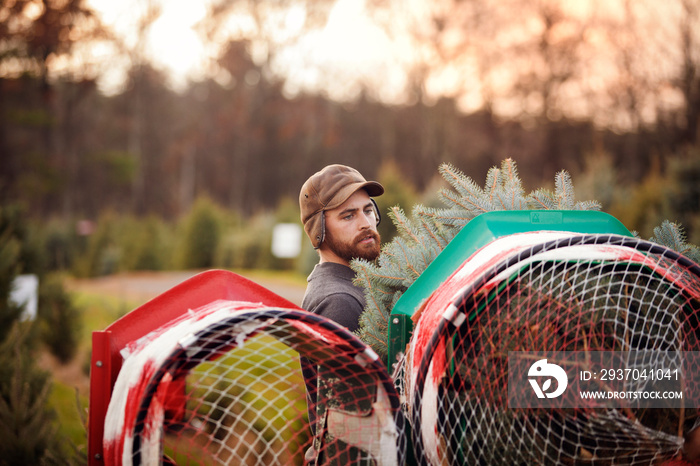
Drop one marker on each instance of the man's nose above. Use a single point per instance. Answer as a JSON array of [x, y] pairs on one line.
[[367, 221]]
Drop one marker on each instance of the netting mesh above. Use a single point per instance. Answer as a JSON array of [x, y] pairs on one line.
[[225, 384], [233, 393], [582, 294], [246, 407]]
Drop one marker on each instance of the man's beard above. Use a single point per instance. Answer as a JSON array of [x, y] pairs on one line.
[[354, 250]]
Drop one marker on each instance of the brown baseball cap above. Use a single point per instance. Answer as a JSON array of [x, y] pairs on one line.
[[326, 190]]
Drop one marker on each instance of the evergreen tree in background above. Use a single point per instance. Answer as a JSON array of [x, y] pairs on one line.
[[28, 433], [423, 235], [28, 430], [202, 231], [9, 253]]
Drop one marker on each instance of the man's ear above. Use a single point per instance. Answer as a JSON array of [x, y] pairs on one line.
[[376, 211]]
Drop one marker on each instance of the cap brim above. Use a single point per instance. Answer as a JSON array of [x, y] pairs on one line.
[[373, 188]]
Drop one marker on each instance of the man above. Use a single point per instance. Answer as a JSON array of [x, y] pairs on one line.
[[340, 217]]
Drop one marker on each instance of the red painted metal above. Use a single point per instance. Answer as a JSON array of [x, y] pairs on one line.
[[189, 295], [100, 391]]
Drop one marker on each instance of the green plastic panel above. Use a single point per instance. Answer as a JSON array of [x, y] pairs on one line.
[[477, 233]]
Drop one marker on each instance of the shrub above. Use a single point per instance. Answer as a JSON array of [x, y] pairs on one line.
[[59, 319], [645, 205], [123, 242], [397, 192], [146, 244], [101, 255], [28, 433], [9, 253], [13, 221], [201, 232], [18, 254], [248, 246], [61, 244]]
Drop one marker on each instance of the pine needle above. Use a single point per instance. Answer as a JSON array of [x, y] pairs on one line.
[[424, 234]]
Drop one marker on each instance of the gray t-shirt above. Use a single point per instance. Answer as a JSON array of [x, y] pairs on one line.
[[331, 294]]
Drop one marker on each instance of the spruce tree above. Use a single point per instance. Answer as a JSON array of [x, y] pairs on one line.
[[28, 433], [28, 430], [423, 235], [672, 236]]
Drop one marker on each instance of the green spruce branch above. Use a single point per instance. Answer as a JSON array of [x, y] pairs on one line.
[[672, 236], [423, 235]]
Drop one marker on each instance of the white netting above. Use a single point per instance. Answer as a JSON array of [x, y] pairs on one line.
[[246, 407], [224, 384], [231, 391], [578, 294]]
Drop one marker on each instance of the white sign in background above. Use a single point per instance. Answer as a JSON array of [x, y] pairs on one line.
[[286, 240], [25, 292]]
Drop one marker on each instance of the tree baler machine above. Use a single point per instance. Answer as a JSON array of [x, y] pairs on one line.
[[488, 353]]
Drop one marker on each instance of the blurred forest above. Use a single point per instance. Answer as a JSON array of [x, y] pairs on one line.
[[71, 152], [150, 176], [127, 179]]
